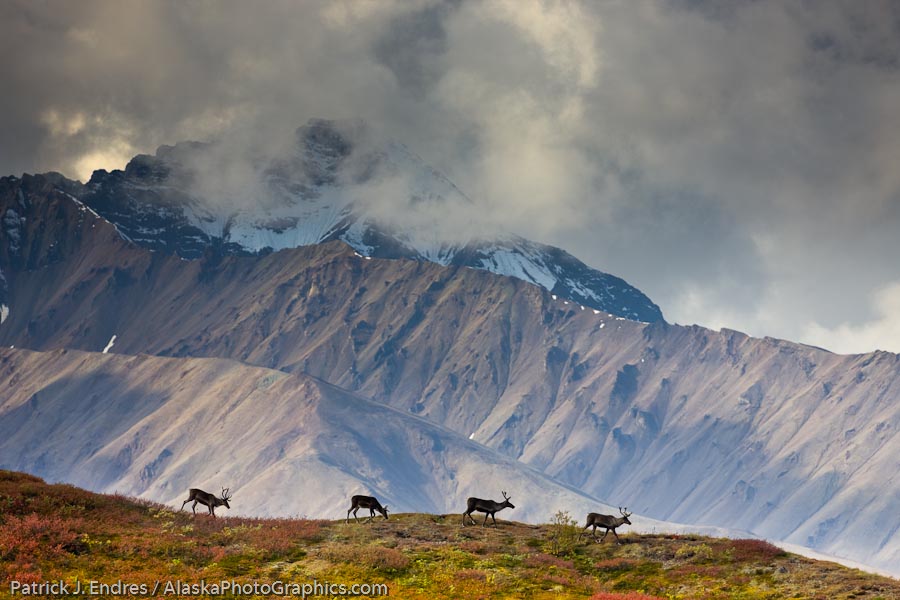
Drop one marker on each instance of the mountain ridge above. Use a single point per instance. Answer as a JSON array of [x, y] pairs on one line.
[[317, 194], [799, 439], [116, 423]]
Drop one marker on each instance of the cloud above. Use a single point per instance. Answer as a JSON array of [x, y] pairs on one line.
[[736, 161], [881, 332], [412, 44]]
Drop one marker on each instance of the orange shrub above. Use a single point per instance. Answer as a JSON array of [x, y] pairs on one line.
[[547, 560], [615, 564], [24, 573], [755, 550], [34, 536], [374, 557], [473, 547], [481, 548], [471, 574]]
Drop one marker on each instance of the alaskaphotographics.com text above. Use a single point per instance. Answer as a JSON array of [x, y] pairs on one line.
[[175, 587]]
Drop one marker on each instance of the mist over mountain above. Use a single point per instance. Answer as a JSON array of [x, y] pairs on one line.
[[337, 181], [679, 423]]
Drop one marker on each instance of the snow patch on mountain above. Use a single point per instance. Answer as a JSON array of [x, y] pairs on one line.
[[339, 184], [519, 265], [300, 223], [354, 236]]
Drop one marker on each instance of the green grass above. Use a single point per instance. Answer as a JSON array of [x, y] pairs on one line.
[[50, 532]]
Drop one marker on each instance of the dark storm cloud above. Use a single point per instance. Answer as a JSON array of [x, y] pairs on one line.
[[735, 160], [412, 45]]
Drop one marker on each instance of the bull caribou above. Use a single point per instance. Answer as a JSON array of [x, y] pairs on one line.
[[208, 500], [488, 507], [608, 522]]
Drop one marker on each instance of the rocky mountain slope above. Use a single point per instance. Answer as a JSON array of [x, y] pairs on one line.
[[317, 191], [679, 423], [286, 445]]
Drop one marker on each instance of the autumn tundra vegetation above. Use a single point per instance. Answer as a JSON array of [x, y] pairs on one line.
[[60, 532]]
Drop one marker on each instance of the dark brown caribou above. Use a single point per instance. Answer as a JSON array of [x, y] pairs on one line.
[[370, 502], [608, 522], [207, 499], [488, 507]]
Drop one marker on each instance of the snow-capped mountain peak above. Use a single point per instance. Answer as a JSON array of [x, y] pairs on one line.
[[338, 183]]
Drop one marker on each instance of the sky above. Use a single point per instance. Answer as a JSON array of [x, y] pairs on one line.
[[739, 162]]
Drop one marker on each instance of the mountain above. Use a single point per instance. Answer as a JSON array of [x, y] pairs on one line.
[[176, 202], [679, 423], [284, 444]]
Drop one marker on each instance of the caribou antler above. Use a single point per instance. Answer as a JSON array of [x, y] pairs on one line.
[[488, 507], [225, 494]]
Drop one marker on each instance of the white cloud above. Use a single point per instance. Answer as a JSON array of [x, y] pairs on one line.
[[882, 332]]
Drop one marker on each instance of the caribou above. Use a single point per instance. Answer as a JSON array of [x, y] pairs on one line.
[[488, 507], [608, 522], [370, 502], [208, 500]]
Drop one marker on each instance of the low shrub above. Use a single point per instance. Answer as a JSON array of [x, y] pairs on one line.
[[615, 564], [755, 550], [544, 561], [38, 536], [374, 557], [696, 551]]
